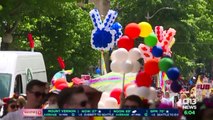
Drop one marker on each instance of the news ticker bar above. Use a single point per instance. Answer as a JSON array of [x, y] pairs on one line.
[[110, 112]]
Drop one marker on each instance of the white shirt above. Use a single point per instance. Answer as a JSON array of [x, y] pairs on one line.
[[18, 115], [166, 101]]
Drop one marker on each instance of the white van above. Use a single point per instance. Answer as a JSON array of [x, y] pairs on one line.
[[17, 68]]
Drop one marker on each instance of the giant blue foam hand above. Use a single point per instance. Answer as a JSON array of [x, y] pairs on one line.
[[104, 35]]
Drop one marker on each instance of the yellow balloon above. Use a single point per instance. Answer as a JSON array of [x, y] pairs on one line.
[[146, 29], [99, 118]]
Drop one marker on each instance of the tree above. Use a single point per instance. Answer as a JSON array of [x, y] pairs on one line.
[[191, 18], [14, 10], [66, 34]]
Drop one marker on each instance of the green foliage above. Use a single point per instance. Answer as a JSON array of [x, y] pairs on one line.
[[63, 32], [192, 20]]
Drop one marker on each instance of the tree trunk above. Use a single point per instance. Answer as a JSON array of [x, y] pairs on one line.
[[4, 46], [6, 40]]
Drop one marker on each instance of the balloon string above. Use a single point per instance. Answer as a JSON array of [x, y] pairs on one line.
[[123, 82], [102, 67], [122, 94]]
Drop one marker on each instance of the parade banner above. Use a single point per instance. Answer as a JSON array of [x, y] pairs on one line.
[[203, 90]]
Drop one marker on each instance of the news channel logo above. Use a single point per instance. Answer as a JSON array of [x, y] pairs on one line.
[[189, 103]]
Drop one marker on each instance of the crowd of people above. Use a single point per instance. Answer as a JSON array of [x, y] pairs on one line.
[[39, 96]]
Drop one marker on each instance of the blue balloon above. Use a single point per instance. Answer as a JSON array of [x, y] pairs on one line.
[[98, 71], [118, 28], [173, 73], [157, 51], [175, 87]]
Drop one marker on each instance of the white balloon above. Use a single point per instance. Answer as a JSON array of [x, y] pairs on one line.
[[143, 92], [136, 66], [126, 66], [113, 55], [115, 66], [104, 96], [152, 93], [131, 90], [111, 103], [121, 54], [101, 105], [134, 54]]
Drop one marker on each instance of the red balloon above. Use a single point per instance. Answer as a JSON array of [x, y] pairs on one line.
[[116, 93], [62, 86], [125, 42], [143, 79], [60, 81], [151, 67], [132, 30]]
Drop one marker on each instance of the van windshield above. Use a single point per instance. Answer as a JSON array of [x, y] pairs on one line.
[[5, 81]]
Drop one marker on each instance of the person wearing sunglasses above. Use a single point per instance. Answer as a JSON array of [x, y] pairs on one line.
[[35, 91], [10, 106]]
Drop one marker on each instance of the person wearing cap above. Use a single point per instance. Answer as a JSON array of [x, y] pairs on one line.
[[10, 106]]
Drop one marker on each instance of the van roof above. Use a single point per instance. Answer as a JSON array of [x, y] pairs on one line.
[[13, 61], [20, 52]]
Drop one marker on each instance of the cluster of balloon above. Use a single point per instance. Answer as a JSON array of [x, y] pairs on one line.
[[165, 41], [124, 61], [157, 46], [156, 52], [105, 35], [59, 81]]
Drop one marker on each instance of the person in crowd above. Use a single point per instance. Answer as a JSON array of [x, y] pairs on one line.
[[180, 101], [1, 107], [211, 92], [47, 88], [73, 98], [175, 101], [166, 99], [10, 106], [134, 102], [93, 95], [159, 94], [35, 91], [52, 97], [21, 102]]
